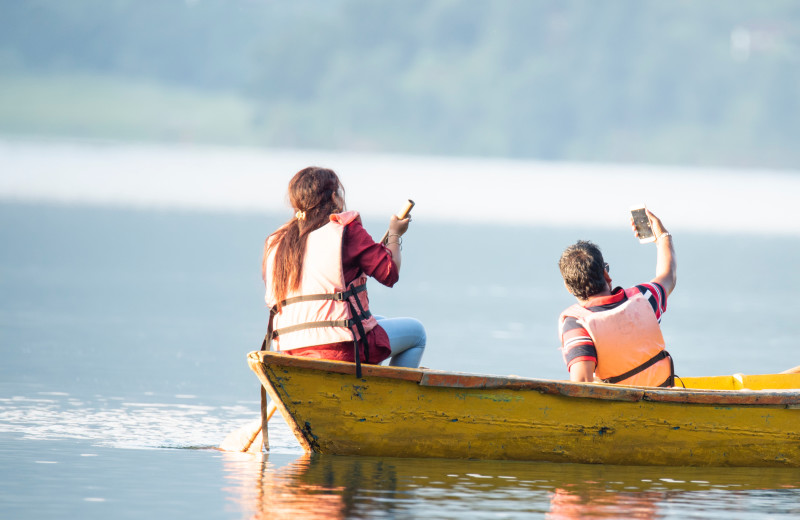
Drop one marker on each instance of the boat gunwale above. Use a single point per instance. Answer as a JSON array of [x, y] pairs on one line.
[[436, 378]]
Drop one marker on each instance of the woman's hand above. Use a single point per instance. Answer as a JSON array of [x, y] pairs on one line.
[[398, 226]]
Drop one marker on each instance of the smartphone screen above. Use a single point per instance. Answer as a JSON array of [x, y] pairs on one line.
[[642, 224]]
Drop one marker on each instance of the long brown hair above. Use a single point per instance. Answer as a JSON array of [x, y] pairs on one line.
[[310, 191]]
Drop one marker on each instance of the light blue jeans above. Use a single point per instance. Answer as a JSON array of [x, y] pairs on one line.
[[406, 338]]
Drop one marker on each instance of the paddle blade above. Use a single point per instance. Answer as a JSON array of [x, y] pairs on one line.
[[256, 447], [243, 438]]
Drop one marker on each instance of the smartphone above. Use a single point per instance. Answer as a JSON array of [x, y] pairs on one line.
[[642, 224]]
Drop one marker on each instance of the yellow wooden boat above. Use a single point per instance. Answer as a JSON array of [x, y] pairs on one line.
[[398, 412]]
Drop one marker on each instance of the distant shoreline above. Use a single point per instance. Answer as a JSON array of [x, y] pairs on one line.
[[479, 190]]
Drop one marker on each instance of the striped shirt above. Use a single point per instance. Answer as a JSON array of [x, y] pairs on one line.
[[577, 345]]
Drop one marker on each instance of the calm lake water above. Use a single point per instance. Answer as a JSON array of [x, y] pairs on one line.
[[124, 334]]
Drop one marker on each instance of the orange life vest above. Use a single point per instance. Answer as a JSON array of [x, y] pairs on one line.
[[628, 340], [323, 310]]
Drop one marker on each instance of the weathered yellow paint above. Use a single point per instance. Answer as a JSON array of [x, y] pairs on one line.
[[415, 413], [742, 382]]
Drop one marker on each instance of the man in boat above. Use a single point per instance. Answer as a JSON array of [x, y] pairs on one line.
[[613, 334]]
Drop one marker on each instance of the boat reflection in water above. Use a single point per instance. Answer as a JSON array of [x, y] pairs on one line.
[[312, 486], [263, 489], [597, 503]]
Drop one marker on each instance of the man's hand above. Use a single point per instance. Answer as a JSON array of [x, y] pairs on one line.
[[655, 223]]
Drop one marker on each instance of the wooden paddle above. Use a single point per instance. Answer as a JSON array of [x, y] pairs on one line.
[[242, 438], [401, 215]]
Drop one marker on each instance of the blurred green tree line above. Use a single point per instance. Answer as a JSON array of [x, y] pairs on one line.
[[685, 82]]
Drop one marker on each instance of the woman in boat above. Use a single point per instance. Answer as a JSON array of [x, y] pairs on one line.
[[315, 268]]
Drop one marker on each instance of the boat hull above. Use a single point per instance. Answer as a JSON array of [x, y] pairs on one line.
[[419, 413]]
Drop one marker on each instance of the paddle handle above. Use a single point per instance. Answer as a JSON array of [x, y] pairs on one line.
[[271, 410], [403, 213], [265, 417]]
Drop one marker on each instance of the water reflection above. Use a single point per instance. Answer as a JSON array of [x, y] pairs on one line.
[[267, 490], [597, 503], [315, 486]]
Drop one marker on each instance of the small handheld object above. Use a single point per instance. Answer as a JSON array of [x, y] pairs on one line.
[[403, 213], [642, 224]]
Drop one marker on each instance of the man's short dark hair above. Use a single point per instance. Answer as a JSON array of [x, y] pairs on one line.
[[582, 268]]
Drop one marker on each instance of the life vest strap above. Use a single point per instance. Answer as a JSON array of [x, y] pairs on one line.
[[267, 343], [670, 382], [356, 320], [360, 326], [644, 366], [337, 296], [320, 324]]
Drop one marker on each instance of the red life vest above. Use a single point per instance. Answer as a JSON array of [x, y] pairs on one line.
[[323, 310], [628, 340]]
